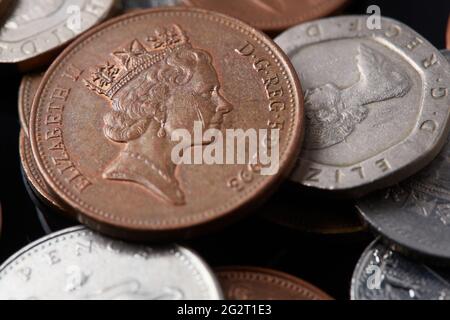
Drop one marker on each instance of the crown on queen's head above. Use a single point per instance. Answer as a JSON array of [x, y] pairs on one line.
[[109, 78]]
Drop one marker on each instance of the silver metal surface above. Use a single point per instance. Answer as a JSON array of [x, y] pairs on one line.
[[38, 26], [77, 263], [415, 214], [377, 102], [382, 274]]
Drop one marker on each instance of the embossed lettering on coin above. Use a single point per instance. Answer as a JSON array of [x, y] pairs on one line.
[[415, 214], [376, 101], [102, 124], [77, 263], [38, 26]]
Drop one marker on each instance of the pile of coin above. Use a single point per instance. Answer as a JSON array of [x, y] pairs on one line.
[[359, 116]]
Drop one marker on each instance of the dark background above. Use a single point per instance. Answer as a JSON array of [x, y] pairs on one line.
[[325, 261]]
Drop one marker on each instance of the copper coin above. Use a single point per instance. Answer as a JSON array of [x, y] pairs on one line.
[[28, 88], [271, 15], [102, 123], [250, 283], [33, 174], [448, 33], [34, 29]]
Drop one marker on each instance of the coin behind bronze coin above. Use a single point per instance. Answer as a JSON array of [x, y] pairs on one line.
[[27, 90], [103, 124], [300, 211], [34, 176], [139, 4], [271, 15], [35, 28], [415, 214], [251, 283], [448, 33], [376, 104]]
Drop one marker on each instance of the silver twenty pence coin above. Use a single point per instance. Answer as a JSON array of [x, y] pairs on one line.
[[77, 263], [376, 102], [383, 274], [415, 214], [36, 27]]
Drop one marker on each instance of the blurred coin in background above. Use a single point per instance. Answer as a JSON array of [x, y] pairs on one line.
[[77, 263], [311, 214], [383, 274], [35, 28], [27, 90], [137, 4], [252, 283], [271, 15], [372, 119]]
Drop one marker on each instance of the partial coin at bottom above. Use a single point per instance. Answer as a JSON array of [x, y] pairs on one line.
[[383, 274], [77, 263], [251, 283]]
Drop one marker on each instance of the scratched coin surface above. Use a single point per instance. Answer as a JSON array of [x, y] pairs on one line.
[[103, 125], [136, 4], [415, 214], [28, 88], [77, 263], [271, 15], [376, 102], [36, 27], [383, 274], [251, 283]]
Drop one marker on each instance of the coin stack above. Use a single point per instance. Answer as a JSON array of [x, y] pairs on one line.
[[127, 111]]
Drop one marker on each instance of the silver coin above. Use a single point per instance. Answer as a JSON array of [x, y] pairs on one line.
[[77, 263], [135, 4], [376, 102], [36, 27], [415, 214], [383, 274]]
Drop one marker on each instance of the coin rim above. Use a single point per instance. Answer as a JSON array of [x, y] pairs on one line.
[[117, 225], [246, 272], [38, 54], [325, 8], [406, 168]]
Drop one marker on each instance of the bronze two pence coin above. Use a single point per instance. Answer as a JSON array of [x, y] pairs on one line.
[[131, 124], [250, 283], [271, 15]]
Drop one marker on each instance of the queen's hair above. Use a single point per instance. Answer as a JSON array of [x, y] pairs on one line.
[[144, 99]]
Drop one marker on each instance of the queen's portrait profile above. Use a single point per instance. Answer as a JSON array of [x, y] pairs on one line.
[[156, 86]]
